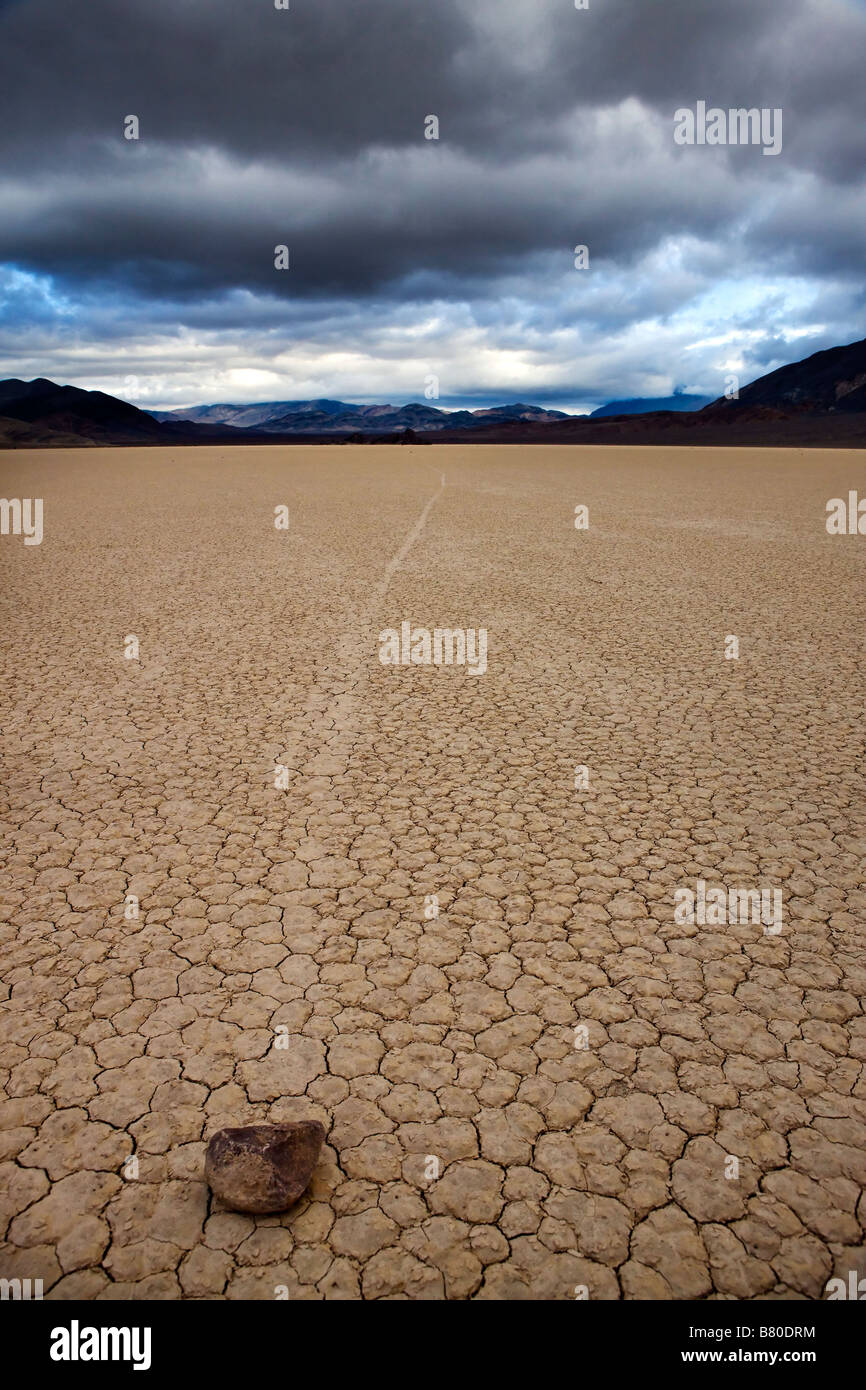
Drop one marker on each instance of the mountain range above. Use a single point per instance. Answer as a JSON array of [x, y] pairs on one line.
[[645, 405], [340, 417], [324, 416], [819, 401]]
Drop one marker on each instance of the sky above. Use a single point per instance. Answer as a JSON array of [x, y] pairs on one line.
[[146, 268]]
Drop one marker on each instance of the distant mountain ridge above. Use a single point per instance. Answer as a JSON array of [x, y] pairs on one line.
[[247, 416], [820, 401], [342, 417], [644, 405]]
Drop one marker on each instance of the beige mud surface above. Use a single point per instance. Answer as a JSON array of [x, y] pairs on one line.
[[272, 917]]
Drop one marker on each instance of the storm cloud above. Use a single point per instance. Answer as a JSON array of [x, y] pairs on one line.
[[146, 267]]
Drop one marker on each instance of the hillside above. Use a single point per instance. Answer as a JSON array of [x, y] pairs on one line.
[[823, 383]]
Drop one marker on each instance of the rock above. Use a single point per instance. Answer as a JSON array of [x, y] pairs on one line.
[[263, 1167]]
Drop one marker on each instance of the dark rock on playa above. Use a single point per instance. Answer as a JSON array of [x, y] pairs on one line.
[[263, 1168]]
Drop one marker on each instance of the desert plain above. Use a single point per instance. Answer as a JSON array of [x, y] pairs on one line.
[[253, 874]]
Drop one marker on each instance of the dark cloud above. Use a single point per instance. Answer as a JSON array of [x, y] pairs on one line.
[[261, 126]]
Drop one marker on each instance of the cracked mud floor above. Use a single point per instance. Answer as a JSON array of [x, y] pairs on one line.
[[282, 965]]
